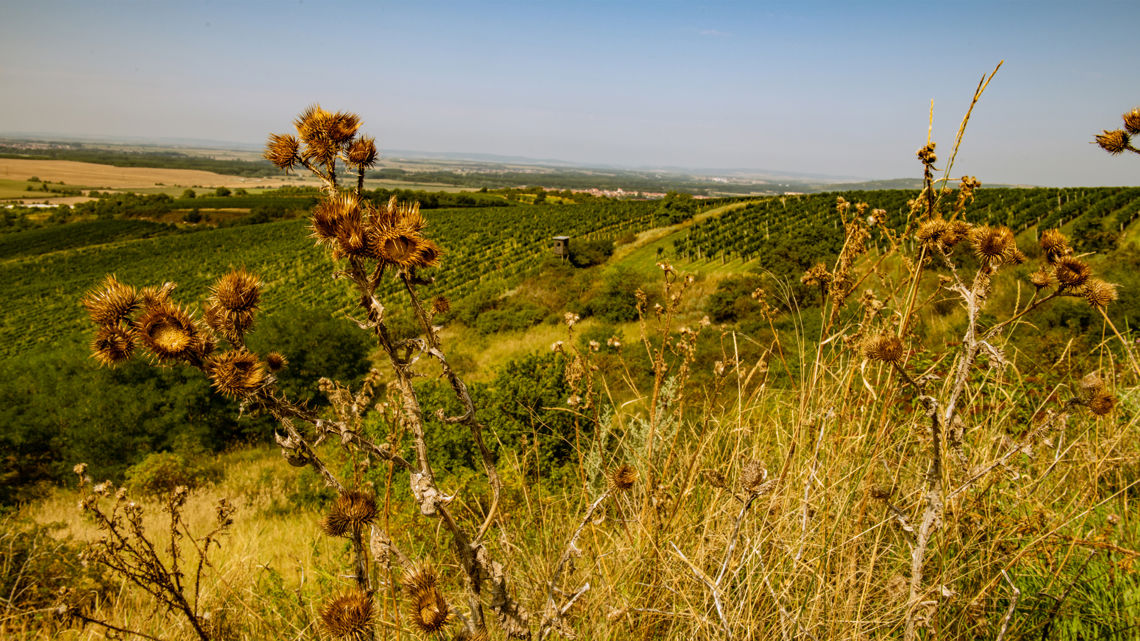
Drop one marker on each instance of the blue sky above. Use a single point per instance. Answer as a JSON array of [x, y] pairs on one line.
[[839, 88]]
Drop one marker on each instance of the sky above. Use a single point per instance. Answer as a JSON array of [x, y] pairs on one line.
[[825, 88]]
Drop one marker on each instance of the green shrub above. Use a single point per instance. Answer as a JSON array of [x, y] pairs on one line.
[[35, 565], [161, 472]]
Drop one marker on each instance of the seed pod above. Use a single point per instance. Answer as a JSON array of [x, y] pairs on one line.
[[623, 478], [348, 616], [111, 303], [1072, 272], [112, 345], [428, 609], [885, 347]]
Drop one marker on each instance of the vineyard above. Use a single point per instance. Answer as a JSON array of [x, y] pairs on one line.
[[44, 285], [809, 221]]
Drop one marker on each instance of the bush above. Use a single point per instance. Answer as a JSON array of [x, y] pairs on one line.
[[586, 253], [161, 472], [35, 565]]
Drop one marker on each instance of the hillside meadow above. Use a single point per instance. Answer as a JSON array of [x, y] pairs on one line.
[[812, 417]]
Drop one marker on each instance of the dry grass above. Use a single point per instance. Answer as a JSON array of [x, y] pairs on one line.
[[97, 176]]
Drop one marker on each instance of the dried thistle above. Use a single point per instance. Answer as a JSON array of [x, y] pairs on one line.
[[1099, 293], [926, 154], [1042, 278], [236, 373], [1071, 272], [428, 609], [276, 361], [281, 150], [1054, 244], [993, 245], [752, 477], [440, 305], [169, 333], [885, 347], [1132, 121], [348, 616], [362, 152], [1114, 142], [623, 478], [351, 510], [238, 291], [112, 345], [111, 303]]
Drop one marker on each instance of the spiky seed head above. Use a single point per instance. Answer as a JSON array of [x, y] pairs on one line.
[[313, 123], [1071, 272], [362, 152], [348, 616], [1089, 387], [152, 296], [440, 305], [931, 231], [276, 361], [1098, 293], [1054, 244], [752, 476], [335, 523], [881, 492], [1114, 142], [343, 126], [328, 214], [112, 345], [1132, 121], [111, 303], [236, 373], [168, 332], [623, 478], [1042, 278], [238, 291], [817, 275], [1102, 404], [885, 347], [358, 506], [428, 609], [993, 244], [281, 150], [926, 154]]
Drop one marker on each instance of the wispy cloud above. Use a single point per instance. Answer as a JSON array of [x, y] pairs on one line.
[[713, 33]]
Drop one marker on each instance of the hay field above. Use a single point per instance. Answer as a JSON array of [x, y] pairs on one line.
[[94, 176]]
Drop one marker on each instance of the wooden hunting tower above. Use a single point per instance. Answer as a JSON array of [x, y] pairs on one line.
[[561, 246]]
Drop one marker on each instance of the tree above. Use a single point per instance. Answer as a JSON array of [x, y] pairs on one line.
[[222, 192], [189, 193]]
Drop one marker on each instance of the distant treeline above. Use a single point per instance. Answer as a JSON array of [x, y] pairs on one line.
[[571, 179]]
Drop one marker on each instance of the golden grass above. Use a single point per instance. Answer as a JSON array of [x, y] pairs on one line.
[[98, 176]]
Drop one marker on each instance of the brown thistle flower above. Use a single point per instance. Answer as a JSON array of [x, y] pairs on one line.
[[440, 305], [1114, 142], [111, 303], [931, 231], [362, 152], [276, 361], [994, 245], [238, 290], [1102, 404], [428, 609], [113, 344], [330, 214], [281, 150], [817, 275], [312, 123], [926, 154], [752, 476], [885, 347], [351, 510], [623, 478], [348, 616], [343, 126], [1089, 387], [1132, 121], [1042, 278], [168, 332], [1071, 272], [1054, 244], [1098, 293], [236, 373], [152, 296]]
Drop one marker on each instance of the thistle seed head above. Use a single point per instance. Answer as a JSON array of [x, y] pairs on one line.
[[885, 347], [238, 291], [348, 616], [168, 332], [281, 150], [1098, 293], [428, 609], [352, 509], [1042, 278], [276, 361], [112, 345], [1071, 272], [1114, 142], [623, 478], [1132, 121], [236, 373], [994, 245], [1054, 244], [362, 152], [111, 303], [752, 477]]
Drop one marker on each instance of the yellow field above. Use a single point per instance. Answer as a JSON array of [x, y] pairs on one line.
[[109, 177]]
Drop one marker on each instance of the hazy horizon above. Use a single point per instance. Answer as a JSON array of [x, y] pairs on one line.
[[807, 88]]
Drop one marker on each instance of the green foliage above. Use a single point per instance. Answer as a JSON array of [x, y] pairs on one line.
[[732, 300], [616, 300], [160, 472], [316, 343], [189, 193], [35, 564], [222, 192], [587, 253]]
